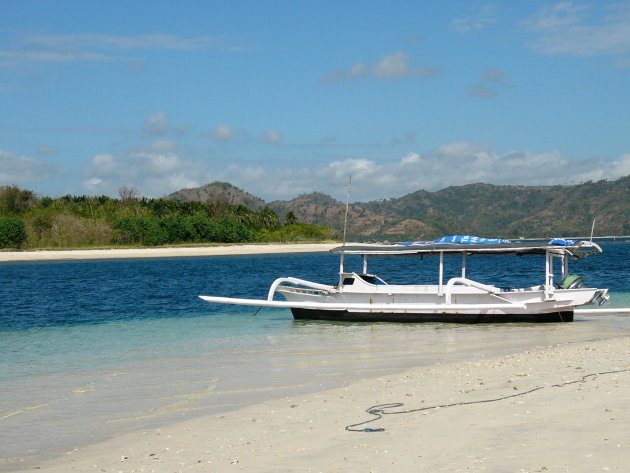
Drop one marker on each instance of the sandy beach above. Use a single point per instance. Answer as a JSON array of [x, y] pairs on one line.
[[164, 252], [555, 409]]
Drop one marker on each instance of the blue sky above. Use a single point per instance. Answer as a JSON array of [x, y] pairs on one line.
[[282, 98]]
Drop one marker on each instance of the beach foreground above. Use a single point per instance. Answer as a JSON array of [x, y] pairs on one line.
[[164, 252], [576, 422]]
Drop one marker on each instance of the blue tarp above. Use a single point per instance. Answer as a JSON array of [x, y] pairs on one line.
[[562, 242], [459, 239], [475, 240], [469, 239]]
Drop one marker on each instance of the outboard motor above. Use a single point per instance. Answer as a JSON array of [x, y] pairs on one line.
[[600, 298], [572, 281]]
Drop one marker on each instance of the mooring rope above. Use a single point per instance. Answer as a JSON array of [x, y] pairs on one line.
[[381, 410]]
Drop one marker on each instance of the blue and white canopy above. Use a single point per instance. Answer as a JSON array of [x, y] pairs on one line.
[[460, 239], [458, 244]]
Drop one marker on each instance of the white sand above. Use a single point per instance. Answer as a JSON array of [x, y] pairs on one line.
[[579, 427], [47, 255]]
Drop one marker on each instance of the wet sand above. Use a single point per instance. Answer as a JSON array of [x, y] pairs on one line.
[[556, 409], [168, 252]]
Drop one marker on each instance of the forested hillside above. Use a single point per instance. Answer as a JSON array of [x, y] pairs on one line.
[[217, 213], [514, 211], [28, 221], [480, 209]]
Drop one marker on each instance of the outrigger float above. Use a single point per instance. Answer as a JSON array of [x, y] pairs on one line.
[[366, 297]]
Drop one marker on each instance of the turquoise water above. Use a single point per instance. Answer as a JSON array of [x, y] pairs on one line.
[[92, 349]]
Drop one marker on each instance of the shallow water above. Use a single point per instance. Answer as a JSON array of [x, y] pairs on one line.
[[92, 349]]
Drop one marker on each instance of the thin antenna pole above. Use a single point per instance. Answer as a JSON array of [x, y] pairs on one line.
[[345, 219]]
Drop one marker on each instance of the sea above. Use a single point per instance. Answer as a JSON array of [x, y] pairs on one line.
[[94, 349]]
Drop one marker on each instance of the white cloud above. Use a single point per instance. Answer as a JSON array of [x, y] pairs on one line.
[[411, 158], [222, 132], [391, 66], [359, 167], [158, 163], [163, 146], [16, 169], [334, 77], [155, 171], [594, 29], [47, 48], [559, 15], [225, 133], [479, 18], [157, 124], [620, 167], [358, 70], [105, 165], [152, 41], [93, 183], [12, 57], [247, 173], [272, 136]]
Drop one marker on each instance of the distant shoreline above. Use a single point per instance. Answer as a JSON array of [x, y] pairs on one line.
[[170, 252], [218, 250]]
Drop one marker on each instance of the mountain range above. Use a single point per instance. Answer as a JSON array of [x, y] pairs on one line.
[[487, 210]]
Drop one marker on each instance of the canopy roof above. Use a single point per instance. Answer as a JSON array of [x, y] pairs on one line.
[[578, 250]]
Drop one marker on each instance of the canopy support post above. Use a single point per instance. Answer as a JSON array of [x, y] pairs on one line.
[[565, 266], [341, 270], [548, 275], [441, 275]]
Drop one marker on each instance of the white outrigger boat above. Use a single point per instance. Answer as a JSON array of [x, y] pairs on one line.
[[366, 297]]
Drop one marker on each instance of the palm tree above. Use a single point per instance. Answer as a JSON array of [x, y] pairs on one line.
[[268, 218], [290, 219]]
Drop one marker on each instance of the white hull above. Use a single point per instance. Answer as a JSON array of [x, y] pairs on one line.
[[424, 303], [425, 299], [365, 297]]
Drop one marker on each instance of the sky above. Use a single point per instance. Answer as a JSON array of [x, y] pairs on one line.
[[283, 98]]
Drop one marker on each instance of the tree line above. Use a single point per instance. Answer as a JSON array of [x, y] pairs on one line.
[[29, 221]]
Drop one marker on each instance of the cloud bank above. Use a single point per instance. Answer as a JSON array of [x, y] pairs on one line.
[[154, 170], [159, 169], [576, 29], [20, 170], [451, 164]]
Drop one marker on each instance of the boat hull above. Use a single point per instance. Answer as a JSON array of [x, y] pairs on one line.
[[408, 317], [365, 297]]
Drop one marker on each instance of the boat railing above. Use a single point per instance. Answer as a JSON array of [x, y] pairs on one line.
[[470, 283], [298, 282]]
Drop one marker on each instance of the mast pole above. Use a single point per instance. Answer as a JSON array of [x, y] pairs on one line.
[[345, 219], [345, 225]]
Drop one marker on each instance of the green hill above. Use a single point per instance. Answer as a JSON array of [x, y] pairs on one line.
[[478, 209]]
